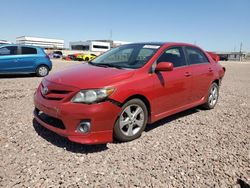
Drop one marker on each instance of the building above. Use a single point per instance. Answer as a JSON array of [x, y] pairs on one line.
[[90, 45], [231, 56], [41, 42], [96, 45], [4, 42]]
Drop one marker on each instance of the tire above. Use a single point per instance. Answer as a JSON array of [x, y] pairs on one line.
[[131, 121], [212, 97], [42, 71], [86, 59]]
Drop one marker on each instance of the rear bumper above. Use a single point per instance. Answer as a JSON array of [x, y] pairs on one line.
[[102, 117]]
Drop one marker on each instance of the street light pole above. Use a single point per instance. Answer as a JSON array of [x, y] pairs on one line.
[[240, 51]]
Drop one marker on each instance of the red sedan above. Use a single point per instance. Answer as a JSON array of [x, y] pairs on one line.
[[121, 91]]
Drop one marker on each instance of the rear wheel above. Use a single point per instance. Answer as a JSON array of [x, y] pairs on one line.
[[212, 98], [86, 59], [42, 71], [132, 121]]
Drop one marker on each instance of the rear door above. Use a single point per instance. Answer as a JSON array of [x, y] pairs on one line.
[[202, 72], [27, 59], [173, 87], [8, 59]]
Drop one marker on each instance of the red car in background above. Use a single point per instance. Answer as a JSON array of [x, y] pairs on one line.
[[71, 57], [121, 91]]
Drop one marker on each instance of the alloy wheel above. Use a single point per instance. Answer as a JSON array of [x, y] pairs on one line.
[[131, 120], [43, 71], [213, 96]]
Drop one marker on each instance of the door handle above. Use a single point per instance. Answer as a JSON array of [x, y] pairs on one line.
[[210, 69], [187, 74]]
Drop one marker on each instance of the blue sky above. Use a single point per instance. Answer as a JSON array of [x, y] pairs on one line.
[[213, 25]]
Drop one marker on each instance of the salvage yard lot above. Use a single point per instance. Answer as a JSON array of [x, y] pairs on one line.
[[195, 148]]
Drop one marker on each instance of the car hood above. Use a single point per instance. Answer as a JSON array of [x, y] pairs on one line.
[[85, 76]]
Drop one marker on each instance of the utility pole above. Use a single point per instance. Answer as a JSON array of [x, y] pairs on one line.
[[110, 39], [111, 34], [240, 51]]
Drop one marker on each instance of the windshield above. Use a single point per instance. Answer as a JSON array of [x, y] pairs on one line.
[[132, 56]]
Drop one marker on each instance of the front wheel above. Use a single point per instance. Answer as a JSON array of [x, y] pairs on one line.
[[132, 121], [42, 71], [212, 97], [86, 59]]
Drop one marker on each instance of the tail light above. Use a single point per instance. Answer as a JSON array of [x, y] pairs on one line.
[[214, 56], [47, 57]]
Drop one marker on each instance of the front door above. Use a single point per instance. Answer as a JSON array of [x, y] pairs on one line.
[[8, 59]]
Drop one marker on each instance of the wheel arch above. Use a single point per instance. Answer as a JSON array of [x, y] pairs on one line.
[[217, 81]]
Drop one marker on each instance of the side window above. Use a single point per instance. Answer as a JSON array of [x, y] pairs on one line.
[[196, 56], [28, 50], [174, 55], [8, 50]]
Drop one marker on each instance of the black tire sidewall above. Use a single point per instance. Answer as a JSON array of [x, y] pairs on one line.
[[118, 135]]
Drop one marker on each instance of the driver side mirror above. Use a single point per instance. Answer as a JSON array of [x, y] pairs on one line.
[[164, 66]]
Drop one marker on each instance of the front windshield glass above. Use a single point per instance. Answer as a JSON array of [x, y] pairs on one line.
[[132, 56]]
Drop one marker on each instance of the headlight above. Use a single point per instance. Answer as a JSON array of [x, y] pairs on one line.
[[92, 95]]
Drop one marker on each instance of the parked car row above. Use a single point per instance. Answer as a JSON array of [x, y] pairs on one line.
[[73, 57], [134, 84]]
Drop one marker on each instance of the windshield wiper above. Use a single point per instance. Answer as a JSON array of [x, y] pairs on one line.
[[105, 65]]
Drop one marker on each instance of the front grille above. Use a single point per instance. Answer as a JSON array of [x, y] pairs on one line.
[[53, 94], [55, 122], [59, 92]]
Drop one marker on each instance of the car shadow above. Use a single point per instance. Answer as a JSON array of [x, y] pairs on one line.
[[64, 143], [168, 119], [243, 184], [17, 76]]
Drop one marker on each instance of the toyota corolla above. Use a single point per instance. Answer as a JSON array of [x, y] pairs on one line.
[[118, 93]]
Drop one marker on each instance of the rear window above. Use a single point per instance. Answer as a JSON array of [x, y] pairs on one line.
[[28, 50], [8, 50]]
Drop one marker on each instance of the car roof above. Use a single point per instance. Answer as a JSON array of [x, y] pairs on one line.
[[149, 43], [164, 44], [21, 45]]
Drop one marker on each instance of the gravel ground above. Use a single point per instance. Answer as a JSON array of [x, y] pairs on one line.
[[196, 148]]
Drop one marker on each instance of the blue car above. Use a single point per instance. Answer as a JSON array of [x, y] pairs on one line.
[[22, 59]]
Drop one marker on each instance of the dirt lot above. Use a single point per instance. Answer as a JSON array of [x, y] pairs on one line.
[[195, 148]]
